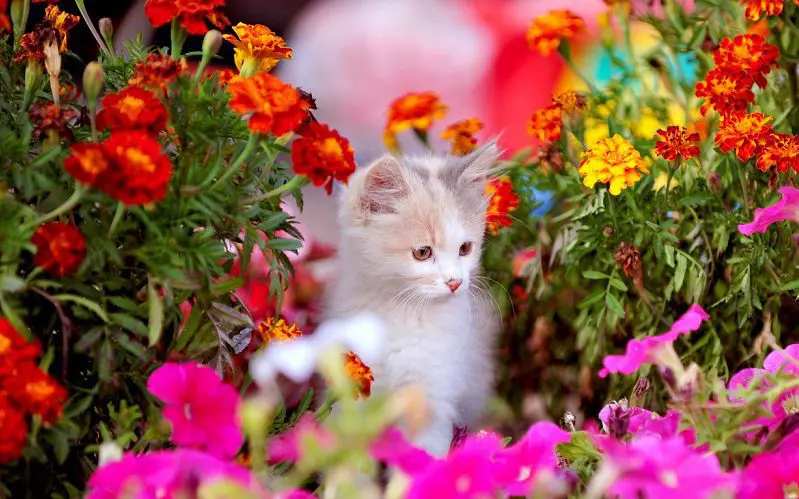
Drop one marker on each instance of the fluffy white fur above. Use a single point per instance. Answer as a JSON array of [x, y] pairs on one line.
[[440, 339]]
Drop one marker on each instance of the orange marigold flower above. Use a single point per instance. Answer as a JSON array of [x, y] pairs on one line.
[[322, 155], [417, 110], [5, 21], [744, 133], [547, 31], [461, 134], [15, 431], [759, 28], [748, 53], [502, 201], [37, 392], [360, 373], [613, 161], [545, 124], [191, 14], [53, 29], [726, 90], [50, 117], [257, 47], [756, 8], [677, 142], [223, 75], [780, 150], [129, 166], [157, 72], [60, 248], [277, 330], [569, 101], [273, 106], [133, 108]]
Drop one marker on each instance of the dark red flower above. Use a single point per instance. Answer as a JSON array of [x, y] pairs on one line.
[[322, 155], [60, 248], [192, 14], [133, 108]]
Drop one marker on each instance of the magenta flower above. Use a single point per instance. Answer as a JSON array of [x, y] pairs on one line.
[[768, 475], [175, 473], [392, 448], [646, 350], [787, 402], [519, 464], [786, 208], [201, 407], [658, 468], [288, 446]]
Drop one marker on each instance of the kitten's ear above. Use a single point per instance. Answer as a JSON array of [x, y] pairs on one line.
[[481, 164], [383, 186]]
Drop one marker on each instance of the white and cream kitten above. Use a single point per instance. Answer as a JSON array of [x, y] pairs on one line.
[[412, 234]]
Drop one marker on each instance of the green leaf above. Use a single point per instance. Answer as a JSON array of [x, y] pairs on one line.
[[124, 303], [580, 447], [614, 304], [789, 286], [156, 313], [132, 324], [11, 284], [679, 274], [274, 221], [83, 302], [226, 286], [593, 274], [284, 244], [616, 283], [669, 255]]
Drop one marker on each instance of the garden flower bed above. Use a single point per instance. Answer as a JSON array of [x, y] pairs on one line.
[[160, 322]]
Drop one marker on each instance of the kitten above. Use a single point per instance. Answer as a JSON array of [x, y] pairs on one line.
[[412, 234]]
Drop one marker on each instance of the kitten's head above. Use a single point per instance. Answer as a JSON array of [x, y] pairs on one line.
[[415, 224]]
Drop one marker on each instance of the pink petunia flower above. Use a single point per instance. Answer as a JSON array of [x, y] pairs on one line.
[[658, 468], [201, 407], [771, 474], [786, 208], [519, 464], [175, 473], [392, 448], [288, 446], [654, 349]]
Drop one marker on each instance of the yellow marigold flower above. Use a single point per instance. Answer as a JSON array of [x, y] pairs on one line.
[[257, 48], [360, 373], [271, 330], [413, 110], [569, 101], [461, 134], [662, 179], [612, 161], [545, 124], [547, 31]]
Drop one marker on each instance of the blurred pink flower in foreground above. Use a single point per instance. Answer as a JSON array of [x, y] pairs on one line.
[[535, 452], [201, 407], [163, 474], [653, 349], [786, 208], [771, 475], [287, 447], [658, 468]]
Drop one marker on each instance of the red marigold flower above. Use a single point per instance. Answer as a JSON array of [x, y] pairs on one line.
[[15, 431], [14, 349], [322, 155], [129, 166], [417, 110], [780, 150], [274, 106], [191, 13], [36, 392], [54, 28], [502, 201], [50, 117], [748, 53], [756, 8], [743, 132], [726, 90], [60, 248], [547, 31], [157, 72], [677, 142], [5, 21], [545, 124], [461, 134], [133, 108], [360, 373]]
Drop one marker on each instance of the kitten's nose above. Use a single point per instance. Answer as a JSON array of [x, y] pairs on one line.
[[454, 284]]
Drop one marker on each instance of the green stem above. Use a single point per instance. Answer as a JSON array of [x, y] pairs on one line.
[[295, 183], [120, 211], [612, 210], [252, 143], [628, 42], [672, 168], [744, 190], [82, 8], [178, 39], [65, 207], [565, 53]]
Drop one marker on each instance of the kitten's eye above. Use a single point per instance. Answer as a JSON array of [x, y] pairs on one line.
[[422, 253], [466, 248]]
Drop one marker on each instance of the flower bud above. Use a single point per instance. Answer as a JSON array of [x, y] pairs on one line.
[[93, 77], [607, 231], [714, 181], [106, 29], [19, 15], [33, 76], [52, 57], [639, 391], [212, 42]]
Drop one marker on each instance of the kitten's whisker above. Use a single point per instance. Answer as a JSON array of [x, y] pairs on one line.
[[510, 298], [483, 294]]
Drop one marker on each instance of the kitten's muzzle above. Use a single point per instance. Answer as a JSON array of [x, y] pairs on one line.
[[454, 284]]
